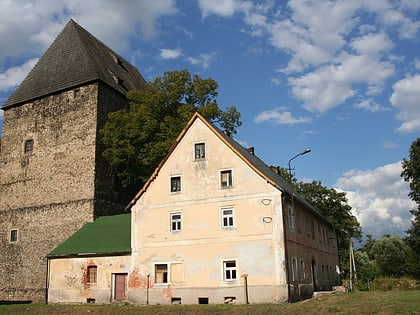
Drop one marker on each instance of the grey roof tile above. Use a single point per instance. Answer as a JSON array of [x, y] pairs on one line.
[[75, 58]]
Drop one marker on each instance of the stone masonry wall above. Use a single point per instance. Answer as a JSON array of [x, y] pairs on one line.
[[49, 193]]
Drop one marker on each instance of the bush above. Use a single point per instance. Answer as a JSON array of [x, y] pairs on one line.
[[394, 284]]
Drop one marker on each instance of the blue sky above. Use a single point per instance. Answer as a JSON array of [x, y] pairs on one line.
[[339, 77]]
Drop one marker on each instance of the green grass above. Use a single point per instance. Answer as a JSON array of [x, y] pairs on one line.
[[382, 303]]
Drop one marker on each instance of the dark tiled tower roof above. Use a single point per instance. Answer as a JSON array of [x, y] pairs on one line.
[[75, 58]]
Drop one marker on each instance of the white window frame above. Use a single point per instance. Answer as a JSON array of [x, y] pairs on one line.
[[168, 267], [229, 218], [229, 179], [302, 269], [294, 269], [199, 151], [291, 216], [177, 221], [230, 273], [173, 188]]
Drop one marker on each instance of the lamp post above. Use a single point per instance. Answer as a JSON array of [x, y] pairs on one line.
[[299, 154]]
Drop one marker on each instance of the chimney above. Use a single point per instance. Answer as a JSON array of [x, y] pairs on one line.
[[275, 169], [250, 150], [227, 133]]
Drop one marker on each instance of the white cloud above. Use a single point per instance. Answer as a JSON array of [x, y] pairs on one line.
[[203, 60], [39, 22], [219, 7], [170, 53], [280, 116], [370, 106], [14, 76], [378, 199], [406, 98], [331, 85]]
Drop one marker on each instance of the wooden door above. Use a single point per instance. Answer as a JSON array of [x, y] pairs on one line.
[[120, 286]]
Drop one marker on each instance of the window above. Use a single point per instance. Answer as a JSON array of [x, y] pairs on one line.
[[226, 178], [227, 218], [13, 235], [161, 273], [229, 270], [291, 214], [312, 229], [294, 269], [175, 183], [92, 272], [302, 269], [29, 145], [199, 151], [298, 223], [176, 219]]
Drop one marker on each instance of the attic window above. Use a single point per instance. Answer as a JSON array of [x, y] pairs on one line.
[[175, 183], [29, 146], [116, 59], [199, 151]]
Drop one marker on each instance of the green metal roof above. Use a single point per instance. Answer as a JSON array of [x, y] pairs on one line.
[[106, 235]]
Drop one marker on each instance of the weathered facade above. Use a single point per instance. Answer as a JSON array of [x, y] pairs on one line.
[[53, 178], [214, 224], [92, 266]]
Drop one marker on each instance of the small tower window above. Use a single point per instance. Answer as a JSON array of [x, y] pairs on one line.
[[29, 145], [13, 235]]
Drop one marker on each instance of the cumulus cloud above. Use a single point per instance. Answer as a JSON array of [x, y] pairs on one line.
[[203, 60], [39, 22], [13, 76], [280, 116], [406, 97], [170, 53], [337, 49], [370, 106], [378, 199]]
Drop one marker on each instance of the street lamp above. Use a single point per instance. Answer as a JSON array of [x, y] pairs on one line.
[[299, 154]]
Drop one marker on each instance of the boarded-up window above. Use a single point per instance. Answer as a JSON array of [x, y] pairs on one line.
[[161, 273], [177, 272], [92, 272]]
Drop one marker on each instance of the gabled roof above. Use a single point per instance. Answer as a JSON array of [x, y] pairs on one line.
[[75, 57], [249, 158], [108, 235]]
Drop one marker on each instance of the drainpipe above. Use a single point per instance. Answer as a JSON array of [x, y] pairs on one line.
[[147, 289], [47, 280], [289, 299], [246, 288]]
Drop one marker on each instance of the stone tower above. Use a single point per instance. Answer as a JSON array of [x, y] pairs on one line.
[[53, 178]]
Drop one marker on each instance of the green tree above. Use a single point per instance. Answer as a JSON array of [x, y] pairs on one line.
[[333, 205], [138, 138], [365, 270], [392, 256], [411, 174]]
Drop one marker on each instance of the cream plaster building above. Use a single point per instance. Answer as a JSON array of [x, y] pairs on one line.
[[214, 224]]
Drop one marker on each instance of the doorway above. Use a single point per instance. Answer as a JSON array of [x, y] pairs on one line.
[[120, 287]]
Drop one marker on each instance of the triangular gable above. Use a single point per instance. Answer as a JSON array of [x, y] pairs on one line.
[[107, 235], [75, 58], [250, 159]]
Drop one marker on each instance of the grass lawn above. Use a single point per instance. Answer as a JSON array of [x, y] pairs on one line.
[[394, 302]]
